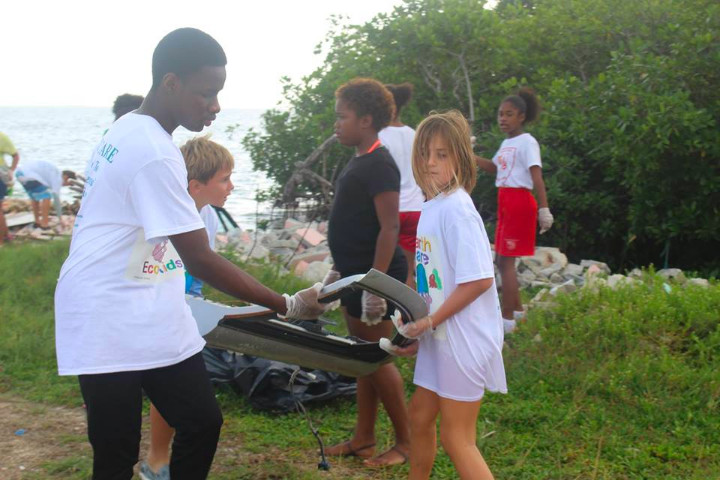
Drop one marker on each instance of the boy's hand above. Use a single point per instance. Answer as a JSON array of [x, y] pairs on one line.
[[412, 330], [409, 351], [545, 219], [304, 304], [373, 308]]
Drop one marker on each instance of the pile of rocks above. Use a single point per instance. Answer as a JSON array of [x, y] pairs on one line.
[[299, 247]]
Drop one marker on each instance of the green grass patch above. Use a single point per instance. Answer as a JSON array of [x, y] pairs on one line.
[[610, 384]]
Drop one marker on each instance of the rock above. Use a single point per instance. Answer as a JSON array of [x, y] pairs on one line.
[[573, 269], [617, 280], [700, 282], [635, 273], [292, 224], [282, 252], [594, 283], [316, 271], [557, 278], [602, 266], [546, 256], [537, 338], [674, 274], [567, 287], [551, 269], [257, 252], [309, 237], [537, 283], [300, 267], [323, 228], [539, 296], [593, 270], [526, 278], [309, 257]]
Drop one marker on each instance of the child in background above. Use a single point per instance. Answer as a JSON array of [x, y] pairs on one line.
[[459, 352], [363, 233], [398, 138], [42, 181], [518, 171], [209, 167]]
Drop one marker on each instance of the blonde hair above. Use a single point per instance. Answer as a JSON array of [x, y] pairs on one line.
[[204, 158], [454, 129]]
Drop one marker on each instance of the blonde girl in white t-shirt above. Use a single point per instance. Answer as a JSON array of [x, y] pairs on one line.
[[459, 347], [518, 171]]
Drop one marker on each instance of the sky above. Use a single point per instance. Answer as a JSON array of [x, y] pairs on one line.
[[85, 53]]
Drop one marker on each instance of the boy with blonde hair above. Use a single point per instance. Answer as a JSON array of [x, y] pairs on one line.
[[209, 167]]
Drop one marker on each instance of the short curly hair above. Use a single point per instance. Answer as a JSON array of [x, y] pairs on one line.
[[366, 96]]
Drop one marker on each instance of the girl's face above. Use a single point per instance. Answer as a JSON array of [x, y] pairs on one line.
[[510, 119], [440, 163], [348, 126]]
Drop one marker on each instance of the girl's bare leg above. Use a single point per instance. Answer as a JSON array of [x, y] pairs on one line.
[[410, 258], [424, 409], [458, 434]]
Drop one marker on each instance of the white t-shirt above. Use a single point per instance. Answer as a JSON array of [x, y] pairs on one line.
[[41, 171], [210, 219], [399, 141], [119, 302], [514, 159], [462, 358]]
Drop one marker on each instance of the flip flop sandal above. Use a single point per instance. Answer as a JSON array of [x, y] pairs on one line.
[[354, 452], [395, 448]]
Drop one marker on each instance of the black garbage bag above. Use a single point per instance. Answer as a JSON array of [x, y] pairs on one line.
[[266, 383]]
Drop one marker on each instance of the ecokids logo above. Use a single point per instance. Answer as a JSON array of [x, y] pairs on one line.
[[161, 267]]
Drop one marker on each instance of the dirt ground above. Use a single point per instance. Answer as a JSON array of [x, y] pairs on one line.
[[33, 434]]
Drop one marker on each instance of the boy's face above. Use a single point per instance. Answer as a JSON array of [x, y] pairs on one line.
[[196, 97], [214, 192], [349, 128]]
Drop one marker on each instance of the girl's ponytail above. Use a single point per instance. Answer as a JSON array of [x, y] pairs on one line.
[[526, 102]]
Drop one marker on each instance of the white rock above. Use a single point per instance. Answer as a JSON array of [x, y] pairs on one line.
[[635, 273], [616, 280], [316, 271], [672, 274], [601, 265], [539, 296], [547, 256], [573, 269], [567, 287], [551, 269], [557, 278], [700, 282]]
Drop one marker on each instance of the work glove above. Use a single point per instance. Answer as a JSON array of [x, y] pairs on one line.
[[412, 330], [331, 276], [374, 308], [545, 219], [304, 305], [408, 351]]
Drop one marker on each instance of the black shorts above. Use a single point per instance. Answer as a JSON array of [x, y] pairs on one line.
[[3, 190], [353, 301]]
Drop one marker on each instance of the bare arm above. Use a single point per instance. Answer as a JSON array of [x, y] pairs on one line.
[[539, 186], [15, 161], [464, 295], [386, 208], [485, 164], [201, 262]]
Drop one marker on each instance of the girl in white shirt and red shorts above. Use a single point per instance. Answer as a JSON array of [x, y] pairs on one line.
[[518, 171]]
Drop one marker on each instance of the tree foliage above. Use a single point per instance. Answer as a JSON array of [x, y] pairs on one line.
[[629, 133]]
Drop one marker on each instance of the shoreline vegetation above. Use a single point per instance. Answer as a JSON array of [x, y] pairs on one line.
[[603, 383]]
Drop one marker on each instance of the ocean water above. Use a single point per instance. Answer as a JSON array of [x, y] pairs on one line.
[[66, 137]]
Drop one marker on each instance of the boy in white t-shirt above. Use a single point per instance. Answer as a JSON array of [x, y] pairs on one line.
[[122, 324], [209, 168]]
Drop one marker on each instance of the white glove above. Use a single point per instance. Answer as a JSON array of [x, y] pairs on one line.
[[412, 330], [545, 219], [304, 305], [409, 351], [331, 276], [373, 308]]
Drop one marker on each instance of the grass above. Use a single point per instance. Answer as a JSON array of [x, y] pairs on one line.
[[616, 384]]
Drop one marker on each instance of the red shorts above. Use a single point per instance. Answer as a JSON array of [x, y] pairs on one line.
[[517, 215], [408, 230]]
